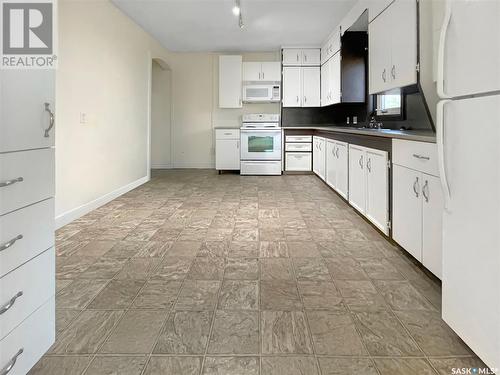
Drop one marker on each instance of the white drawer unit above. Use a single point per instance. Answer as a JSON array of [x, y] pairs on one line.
[[298, 147], [25, 178], [227, 149], [25, 233], [25, 289], [25, 345], [227, 133], [421, 156], [298, 161], [298, 138]]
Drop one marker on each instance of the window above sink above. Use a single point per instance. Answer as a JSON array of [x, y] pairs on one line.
[[389, 103]]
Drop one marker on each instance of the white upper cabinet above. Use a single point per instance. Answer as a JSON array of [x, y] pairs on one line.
[[262, 71], [311, 57], [25, 119], [393, 47], [292, 86], [230, 87], [331, 81], [252, 71], [325, 84], [271, 71], [301, 56], [301, 86], [331, 46], [311, 87]]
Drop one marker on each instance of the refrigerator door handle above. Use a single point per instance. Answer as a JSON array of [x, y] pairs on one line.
[[441, 51], [441, 152]]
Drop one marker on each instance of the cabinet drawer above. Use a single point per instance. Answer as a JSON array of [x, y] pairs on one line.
[[298, 138], [227, 133], [420, 156], [35, 224], [298, 161], [298, 146], [34, 337], [25, 177], [26, 289]]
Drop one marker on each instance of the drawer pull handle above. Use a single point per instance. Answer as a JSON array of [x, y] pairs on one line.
[[421, 157], [11, 363], [11, 182], [369, 165], [228, 133], [8, 244], [4, 308], [52, 119]]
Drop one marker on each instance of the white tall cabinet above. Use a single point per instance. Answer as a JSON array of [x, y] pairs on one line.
[[27, 256]]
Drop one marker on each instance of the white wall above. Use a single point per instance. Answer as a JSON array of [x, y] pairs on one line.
[[104, 68], [160, 117]]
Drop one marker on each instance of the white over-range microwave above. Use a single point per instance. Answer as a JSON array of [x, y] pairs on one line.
[[254, 93]]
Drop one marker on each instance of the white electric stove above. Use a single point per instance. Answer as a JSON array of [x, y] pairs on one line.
[[261, 144]]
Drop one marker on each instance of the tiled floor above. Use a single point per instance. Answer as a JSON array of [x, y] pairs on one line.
[[198, 273]]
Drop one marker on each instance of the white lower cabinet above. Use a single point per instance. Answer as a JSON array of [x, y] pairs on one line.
[[319, 154], [369, 184], [227, 149], [417, 207], [298, 161], [21, 349], [337, 166]]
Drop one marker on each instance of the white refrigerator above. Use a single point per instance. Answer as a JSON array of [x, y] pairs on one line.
[[468, 137]]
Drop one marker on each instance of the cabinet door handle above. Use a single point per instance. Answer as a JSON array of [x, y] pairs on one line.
[[305, 58], [237, 144], [263, 76], [383, 75], [6, 306], [297, 57], [297, 98], [52, 119], [305, 99], [337, 152], [361, 161], [425, 190], [418, 156], [8, 244], [416, 187], [369, 165], [11, 182], [9, 366], [393, 72]]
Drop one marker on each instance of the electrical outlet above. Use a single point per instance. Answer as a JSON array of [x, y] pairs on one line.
[[354, 120], [83, 118]]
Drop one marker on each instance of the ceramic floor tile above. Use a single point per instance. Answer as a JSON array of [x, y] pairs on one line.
[[136, 332], [344, 268], [384, 335], [347, 366], [276, 269], [279, 295], [407, 366], [334, 333], [432, 334], [158, 294], [138, 268], [401, 295], [207, 268], [172, 268], [320, 295], [87, 333], [231, 366], [289, 366], [68, 365], [118, 294], [173, 365], [95, 248], [117, 365], [311, 269], [361, 295], [239, 295], [104, 268], [198, 295], [273, 249], [303, 250], [184, 249], [79, 293], [125, 249], [244, 249], [186, 332], [285, 332], [235, 332], [64, 318], [241, 269], [446, 366], [214, 249]]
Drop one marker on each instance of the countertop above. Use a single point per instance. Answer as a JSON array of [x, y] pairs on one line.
[[411, 135]]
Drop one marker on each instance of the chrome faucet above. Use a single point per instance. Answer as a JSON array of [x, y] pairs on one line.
[[374, 124]]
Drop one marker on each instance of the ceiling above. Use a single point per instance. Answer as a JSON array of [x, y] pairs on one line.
[[209, 25]]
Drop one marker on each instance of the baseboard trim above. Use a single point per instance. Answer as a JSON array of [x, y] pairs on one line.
[[182, 165], [69, 216], [161, 166]]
